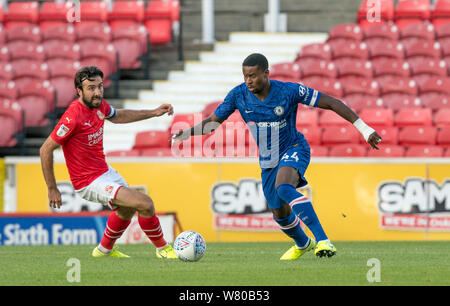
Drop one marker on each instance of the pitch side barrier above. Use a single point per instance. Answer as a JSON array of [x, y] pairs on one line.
[[355, 198]]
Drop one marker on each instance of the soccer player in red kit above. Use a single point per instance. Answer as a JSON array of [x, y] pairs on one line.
[[80, 133]]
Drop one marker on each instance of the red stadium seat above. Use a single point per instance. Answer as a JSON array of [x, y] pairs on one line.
[[368, 12], [9, 90], [386, 49], [5, 55], [312, 134], [62, 49], [354, 68], [352, 50], [59, 33], [340, 134], [346, 31], [386, 150], [424, 151], [2, 34], [158, 21], [417, 135], [210, 108], [102, 55], [54, 14], [307, 117], [320, 68], [329, 86], [21, 13], [96, 32], [411, 11], [442, 117], [360, 86], [131, 33], [435, 100], [429, 67], [413, 116], [93, 12], [42, 90], [389, 135], [11, 116], [126, 12], [321, 51], [184, 121], [6, 71], [156, 152], [287, 71], [443, 136], [443, 32], [440, 16], [377, 117], [151, 139], [29, 32], [420, 30], [397, 101], [384, 31], [423, 49], [348, 150], [62, 73], [358, 102], [26, 71], [389, 67], [436, 85], [124, 153], [319, 151], [26, 50], [36, 98], [330, 118], [402, 85]]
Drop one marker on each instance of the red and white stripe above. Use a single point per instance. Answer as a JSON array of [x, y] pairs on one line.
[[293, 224], [113, 234], [154, 233], [300, 200]]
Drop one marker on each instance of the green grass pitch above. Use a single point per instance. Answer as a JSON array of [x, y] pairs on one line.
[[232, 264]]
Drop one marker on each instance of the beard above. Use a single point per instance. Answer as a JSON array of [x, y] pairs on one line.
[[90, 102]]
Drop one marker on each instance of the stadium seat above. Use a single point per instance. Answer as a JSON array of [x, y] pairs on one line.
[[6, 70], [95, 32], [9, 90], [26, 71], [59, 33], [413, 116], [330, 118], [424, 151], [386, 49], [388, 68], [411, 11], [155, 152], [417, 135], [2, 34], [348, 150], [319, 151], [368, 12], [54, 14], [184, 121], [346, 31], [447, 152], [402, 85], [151, 139], [27, 50], [440, 16], [61, 74], [320, 68], [386, 150], [443, 33], [429, 67], [93, 12], [21, 13], [62, 49], [5, 55], [354, 68], [29, 32], [442, 117], [307, 117], [131, 33], [312, 133], [389, 135], [423, 49], [125, 13], [158, 21], [351, 50], [358, 102], [443, 136], [377, 117], [39, 90], [435, 100], [360, 86], [397, 101], [287, 71], [436, 84], [102, 55], [339, 134], [210, 108], [124, 153], [329, 86], [381, 31], [37, 100], [321, 51], [11, 116], [419, 30]]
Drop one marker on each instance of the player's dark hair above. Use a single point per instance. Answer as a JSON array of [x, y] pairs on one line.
[[256, 59], [86, 73]]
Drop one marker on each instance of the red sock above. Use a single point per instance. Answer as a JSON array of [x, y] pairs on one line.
[[114, 229], [152, 229]]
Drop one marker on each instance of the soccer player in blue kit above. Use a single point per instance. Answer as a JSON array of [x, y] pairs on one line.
[[269, 108]]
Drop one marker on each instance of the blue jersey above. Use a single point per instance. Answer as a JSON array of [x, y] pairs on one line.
[[272, 122]]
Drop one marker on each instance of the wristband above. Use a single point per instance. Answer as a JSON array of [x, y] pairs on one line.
[[363, 128]]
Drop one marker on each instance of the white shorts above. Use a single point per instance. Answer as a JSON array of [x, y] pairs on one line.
[[104, 188]]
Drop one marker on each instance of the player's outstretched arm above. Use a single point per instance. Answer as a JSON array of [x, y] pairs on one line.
[[369, 134], [130, 115], [205, 127], [46, 154]]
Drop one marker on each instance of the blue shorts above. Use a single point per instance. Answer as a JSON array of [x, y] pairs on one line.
[[298, 156]]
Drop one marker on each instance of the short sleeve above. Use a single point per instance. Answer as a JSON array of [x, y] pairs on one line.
[[64, 129], [227, 107], [305, 95]]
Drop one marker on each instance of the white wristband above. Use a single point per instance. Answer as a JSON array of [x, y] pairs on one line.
[[363, 128]]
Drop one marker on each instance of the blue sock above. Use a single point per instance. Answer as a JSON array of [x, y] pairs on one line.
[[303, 208], [291, 227]]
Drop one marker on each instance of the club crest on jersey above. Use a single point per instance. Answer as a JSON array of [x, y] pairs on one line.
[[100, 115], [62, 131], [279, 110]]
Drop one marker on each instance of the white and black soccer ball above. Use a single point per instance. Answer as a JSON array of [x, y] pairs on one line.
[[189, 246]]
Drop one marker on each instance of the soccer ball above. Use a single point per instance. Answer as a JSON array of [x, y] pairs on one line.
[[189, 246]]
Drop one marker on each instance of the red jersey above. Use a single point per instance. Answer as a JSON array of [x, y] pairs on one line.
[[80, 133]]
